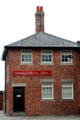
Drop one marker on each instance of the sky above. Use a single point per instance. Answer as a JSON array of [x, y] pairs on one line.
[[17, 21]]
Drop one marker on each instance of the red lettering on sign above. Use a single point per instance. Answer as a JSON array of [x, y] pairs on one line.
[[32, 72]]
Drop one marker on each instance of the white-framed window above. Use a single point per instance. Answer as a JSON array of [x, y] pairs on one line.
[[46, 56], [26, 57], [66, 56], [67, 90], [47, 90]]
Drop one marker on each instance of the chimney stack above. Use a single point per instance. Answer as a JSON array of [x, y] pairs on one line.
[[39, 17]]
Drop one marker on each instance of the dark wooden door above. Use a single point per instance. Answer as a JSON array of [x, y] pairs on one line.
[[18, 99]]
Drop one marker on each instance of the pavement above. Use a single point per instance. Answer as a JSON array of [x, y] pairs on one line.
[[68, 117]]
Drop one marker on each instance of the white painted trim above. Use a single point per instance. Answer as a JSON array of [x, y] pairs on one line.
[[47, 80], [19, 84], [46, 63], [67, 80]]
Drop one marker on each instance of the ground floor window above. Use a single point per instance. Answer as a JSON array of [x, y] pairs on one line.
[[67, 90], [47, 90]]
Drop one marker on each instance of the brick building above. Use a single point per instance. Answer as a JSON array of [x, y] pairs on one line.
[[42, 74]]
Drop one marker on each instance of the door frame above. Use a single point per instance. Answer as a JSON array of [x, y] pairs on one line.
[[19, 85]]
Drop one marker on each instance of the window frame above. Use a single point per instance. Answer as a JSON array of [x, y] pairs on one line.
[[69, 62], [46, 54], [26, 53], [67, 86], [46, 86]]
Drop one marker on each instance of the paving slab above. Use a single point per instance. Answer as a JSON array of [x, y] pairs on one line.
[[68, 117]]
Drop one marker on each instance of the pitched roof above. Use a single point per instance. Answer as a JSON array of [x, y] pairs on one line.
[[43, 40], [40, 39]]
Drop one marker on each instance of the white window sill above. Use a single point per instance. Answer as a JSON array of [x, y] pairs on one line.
[[66, 63], [26, 63], [47, 100], [46, 63]]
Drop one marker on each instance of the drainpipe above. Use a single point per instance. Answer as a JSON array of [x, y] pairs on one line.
[[5, 87]]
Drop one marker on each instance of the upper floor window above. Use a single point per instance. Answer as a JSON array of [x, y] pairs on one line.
[[46, 56], [26, 57], [67, 90], [66, 56]]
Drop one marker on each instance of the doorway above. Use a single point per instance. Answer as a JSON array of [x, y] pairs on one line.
[[18, 99]]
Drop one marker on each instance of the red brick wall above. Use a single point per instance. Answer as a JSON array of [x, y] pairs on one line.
[[34, 105]]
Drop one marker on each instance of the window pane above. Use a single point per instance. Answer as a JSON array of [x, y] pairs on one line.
[[49, 56], [47, 93], [66, 84], [26, 60], [27, 56], [23, 59], [46, 56], [47, 84], [23, 56], [66, 60], [66, 56], [43, 56], [67, 92], [47, 90]]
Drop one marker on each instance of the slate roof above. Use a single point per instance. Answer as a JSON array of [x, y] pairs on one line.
[[43, 40]]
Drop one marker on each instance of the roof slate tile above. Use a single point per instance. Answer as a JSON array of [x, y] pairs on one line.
[[43, 40]]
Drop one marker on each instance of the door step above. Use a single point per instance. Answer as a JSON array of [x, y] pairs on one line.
[[19, 114]]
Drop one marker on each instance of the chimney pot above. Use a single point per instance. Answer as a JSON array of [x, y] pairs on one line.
[[37, 8], [41, 8], [39, 19]]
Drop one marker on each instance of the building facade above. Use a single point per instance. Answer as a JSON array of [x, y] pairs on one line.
[[42, 74]]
